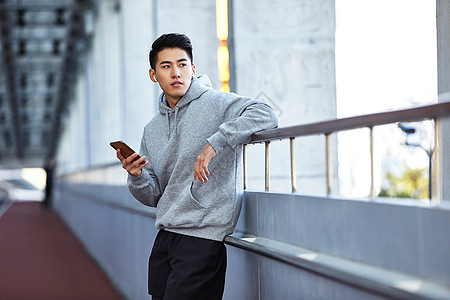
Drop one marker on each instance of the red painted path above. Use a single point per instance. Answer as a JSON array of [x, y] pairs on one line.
[[41, 259]]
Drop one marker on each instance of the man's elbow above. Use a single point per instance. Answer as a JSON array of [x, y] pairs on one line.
[[273, 119]]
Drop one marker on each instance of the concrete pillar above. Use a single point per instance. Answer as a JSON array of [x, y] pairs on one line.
[[443, 55], [136, 31], [284, 55], [105, 83], [196, 19], [113, 99]]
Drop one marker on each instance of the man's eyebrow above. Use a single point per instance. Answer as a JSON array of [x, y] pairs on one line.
[[168, 62]]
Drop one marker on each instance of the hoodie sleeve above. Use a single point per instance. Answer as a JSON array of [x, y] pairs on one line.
[[145, 188], [244, 117]]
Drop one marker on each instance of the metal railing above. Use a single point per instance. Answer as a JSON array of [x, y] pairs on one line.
[[326, 128]]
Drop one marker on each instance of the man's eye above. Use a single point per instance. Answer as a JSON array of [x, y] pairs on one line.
[[165, 67], [183, 65]]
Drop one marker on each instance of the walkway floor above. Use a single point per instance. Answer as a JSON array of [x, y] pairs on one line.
[[41, 259]]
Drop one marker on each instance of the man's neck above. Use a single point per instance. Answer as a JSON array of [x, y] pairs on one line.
[[172, 102]]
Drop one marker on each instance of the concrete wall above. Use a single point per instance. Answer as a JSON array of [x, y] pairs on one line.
[[443, 33], [118, 239], [397, 235]]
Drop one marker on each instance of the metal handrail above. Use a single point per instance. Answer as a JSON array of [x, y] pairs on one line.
[[405, 115], [434, 111], [372, 278]]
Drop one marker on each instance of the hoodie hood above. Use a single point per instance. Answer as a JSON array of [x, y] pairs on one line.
[[199, 85]]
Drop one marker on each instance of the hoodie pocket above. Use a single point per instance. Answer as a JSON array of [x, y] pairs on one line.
[[184, 213], [195, 201]]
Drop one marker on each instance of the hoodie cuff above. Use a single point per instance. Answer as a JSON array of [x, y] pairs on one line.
[[138, 181], [217, 140]]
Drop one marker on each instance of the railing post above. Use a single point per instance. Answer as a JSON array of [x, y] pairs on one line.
[[267, 166], [293, 166], [329, 164], [372, 172], [436, 173], [434, 111], [244, 162]]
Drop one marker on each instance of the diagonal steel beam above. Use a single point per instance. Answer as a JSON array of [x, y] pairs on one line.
[[8, 62], [68, 72]]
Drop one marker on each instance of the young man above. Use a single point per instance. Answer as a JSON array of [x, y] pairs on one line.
[[193, 172]]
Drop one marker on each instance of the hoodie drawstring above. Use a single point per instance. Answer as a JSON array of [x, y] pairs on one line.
[[199, 86], [168, 123], [177, 108]]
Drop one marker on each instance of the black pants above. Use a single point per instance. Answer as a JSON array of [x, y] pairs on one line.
[[186, 267]]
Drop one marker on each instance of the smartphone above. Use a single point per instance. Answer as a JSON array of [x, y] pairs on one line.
[[124, 149]]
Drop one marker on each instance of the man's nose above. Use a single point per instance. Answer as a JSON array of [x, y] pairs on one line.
[[175, 72]]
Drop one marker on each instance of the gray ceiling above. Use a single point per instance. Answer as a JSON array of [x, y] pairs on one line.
[[41, 47]]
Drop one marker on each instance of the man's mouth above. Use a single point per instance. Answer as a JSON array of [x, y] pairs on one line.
[[176, 83]]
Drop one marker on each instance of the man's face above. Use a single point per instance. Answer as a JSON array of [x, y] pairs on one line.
[[174, 71]]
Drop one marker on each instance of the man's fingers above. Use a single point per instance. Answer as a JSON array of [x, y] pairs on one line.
[[201, 171], [204, 174], [139, 163], [125, 160], [198, 175], [130, 158], [119, 155], [142, 164], [134, 168]]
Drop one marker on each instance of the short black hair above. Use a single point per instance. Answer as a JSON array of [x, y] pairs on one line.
[[170, 40]]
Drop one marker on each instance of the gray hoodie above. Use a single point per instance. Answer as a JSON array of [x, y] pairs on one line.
[[171, 142]]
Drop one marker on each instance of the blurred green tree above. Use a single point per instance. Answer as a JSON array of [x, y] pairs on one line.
[[413, 183]]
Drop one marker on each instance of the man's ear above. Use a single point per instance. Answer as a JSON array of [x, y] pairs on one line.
[[193, 70], [152, 74]]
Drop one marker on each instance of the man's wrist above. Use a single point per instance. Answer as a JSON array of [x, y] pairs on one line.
[[215, 141], [138, 175]]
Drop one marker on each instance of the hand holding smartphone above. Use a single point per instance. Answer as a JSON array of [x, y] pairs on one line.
[[125, 150]]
